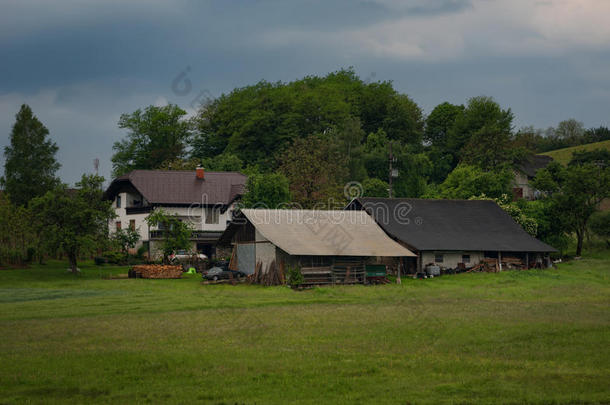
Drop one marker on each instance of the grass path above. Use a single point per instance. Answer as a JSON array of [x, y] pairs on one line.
[[514, 337]]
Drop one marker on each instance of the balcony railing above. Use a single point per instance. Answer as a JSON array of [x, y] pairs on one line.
[[195, 235], [138, 210]]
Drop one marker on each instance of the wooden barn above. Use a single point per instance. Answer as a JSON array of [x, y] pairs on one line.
[[328, 246]]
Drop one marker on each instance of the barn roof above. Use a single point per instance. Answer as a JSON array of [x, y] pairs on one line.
[[462, 225], [533, 163], [180, 187], [324, 233]]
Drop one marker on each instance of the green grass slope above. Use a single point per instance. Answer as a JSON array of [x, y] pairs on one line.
[[516, 337], [564, 156]]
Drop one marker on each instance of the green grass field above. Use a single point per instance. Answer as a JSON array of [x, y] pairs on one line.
[[564, 156], [539, 337]]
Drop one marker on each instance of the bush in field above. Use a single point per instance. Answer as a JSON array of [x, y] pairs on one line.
[[295, 278]]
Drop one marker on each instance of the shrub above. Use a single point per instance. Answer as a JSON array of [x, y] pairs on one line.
[[295, 278]]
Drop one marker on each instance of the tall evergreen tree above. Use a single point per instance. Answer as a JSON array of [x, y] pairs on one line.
[[30, 166]]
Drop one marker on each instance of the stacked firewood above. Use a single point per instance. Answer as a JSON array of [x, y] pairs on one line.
[[155, 271], [273, 275], [490, 265]]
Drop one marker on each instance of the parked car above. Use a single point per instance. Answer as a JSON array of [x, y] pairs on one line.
[[218, 273], [181, 256]]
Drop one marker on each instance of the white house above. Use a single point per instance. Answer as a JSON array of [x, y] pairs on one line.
[[205, 199]]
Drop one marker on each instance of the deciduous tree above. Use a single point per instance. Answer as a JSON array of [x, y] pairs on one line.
[[74, 221], [155, 135]]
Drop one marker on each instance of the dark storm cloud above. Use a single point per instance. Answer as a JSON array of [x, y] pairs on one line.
[[80, 65]]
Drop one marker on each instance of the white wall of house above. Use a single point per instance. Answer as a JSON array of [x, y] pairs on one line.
[[521, 181], [201, 218], [125, 220], [451, 259]]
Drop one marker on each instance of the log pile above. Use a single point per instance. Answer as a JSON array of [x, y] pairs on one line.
[[155, 271], [273, 274], [493, 266]]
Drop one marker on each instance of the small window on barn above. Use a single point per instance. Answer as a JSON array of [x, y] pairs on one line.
[[118, 225], [132, 224], [118, 201], [211, 216], [465, 258], [438, 258]]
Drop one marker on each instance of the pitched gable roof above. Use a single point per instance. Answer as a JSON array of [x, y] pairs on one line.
[[462, 225], [532, 164], [321, 232], [178, 187]]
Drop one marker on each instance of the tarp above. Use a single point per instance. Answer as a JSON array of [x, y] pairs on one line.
[[324, 233]]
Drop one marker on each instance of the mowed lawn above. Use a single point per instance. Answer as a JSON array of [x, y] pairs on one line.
[[540, 337]]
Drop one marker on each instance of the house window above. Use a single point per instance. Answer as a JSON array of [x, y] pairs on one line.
[[438, 258], [465, 258], [132, 224], [118, 225], [118, 201], [211, 216]]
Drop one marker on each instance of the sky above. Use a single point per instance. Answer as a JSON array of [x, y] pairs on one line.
[[81, 64]]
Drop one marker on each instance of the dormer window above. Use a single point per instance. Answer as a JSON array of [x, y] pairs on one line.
[[118, 201]]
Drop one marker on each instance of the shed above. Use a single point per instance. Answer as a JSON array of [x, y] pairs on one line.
[[453, 233], [329, 242]]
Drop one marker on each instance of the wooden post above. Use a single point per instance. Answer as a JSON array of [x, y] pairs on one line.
[[400, 263], [527, 260], [500, 260]]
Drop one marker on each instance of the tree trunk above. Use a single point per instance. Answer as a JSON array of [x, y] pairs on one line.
[[579, 238], [72, 262]]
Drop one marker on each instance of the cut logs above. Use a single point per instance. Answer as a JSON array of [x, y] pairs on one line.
[[155, 271]]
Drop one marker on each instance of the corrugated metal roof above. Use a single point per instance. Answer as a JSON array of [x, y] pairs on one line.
[[466, 225], [324, 233]]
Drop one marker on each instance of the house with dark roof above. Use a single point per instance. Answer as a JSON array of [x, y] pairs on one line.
[[453, 233], [525, 173], [205, 199]]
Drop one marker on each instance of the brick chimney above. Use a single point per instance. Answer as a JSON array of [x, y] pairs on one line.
[[199, 172]]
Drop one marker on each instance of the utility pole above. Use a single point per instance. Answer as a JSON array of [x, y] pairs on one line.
[[392, 172]]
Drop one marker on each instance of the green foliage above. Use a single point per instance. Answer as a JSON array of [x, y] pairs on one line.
[[315, 171], [373, 187], [481, 118], [469, 181], [600, 224], [439, 122], [30, 165], [255, 122], [294, 277], [574, 193], [125, 239], [176, 233], [595, 156], [73, 222], [266, 190], [16, 232], [488, 148], [155, 135], [225, 162]]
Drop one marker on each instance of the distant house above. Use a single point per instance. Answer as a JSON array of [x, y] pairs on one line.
[[205, 199], [453, 233], [525, 173], [311, 239]]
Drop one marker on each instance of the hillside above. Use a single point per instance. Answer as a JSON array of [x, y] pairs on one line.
[[563, 156]]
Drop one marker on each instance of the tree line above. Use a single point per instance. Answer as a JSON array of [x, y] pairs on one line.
[[300, 142]]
